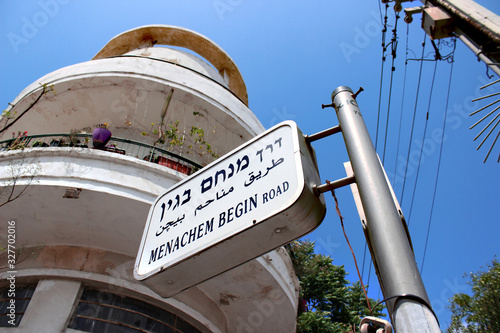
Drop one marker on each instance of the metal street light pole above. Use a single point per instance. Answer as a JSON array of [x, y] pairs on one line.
[[392, 254]]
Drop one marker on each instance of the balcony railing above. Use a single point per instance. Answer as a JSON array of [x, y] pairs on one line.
[[115, 145]]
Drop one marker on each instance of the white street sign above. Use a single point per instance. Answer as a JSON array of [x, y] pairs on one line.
[[250, 201]]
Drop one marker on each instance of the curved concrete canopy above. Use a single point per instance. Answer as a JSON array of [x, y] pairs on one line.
[[150, 35]]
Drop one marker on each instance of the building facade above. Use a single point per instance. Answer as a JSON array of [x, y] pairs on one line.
[[73, 214]]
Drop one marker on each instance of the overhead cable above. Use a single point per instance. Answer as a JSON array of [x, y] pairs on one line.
[[402, 100], [413, 121], [422, 146], [394, 46], [384, 49], [438, 166]]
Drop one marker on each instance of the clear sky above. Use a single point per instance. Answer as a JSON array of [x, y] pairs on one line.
[[292, 55]]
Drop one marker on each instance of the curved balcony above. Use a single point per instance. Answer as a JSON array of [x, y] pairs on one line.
[[121, 146]]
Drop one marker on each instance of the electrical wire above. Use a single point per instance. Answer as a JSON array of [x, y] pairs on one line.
[[413, 121], [364, 256], [349, 243], [439, 164], [380, 12], [402, 101], [393, 53], [384, 48], [394, 46], [369, 272], [423, 141], [424, 134]]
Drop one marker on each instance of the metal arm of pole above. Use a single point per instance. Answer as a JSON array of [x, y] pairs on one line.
[[334, 185], [322, 134], [396, 267]]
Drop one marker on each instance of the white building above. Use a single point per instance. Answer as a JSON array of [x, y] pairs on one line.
[[80, 219]]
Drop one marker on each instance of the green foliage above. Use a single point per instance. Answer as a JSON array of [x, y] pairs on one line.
[[334, 304], [8, 114], [317, 322], [481, 311], [173, 137], [198, 136], [19, 143]]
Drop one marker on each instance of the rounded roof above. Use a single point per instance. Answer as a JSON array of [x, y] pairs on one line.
[[176, 36]]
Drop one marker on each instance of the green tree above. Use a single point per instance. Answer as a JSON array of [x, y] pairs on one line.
[[328, 301], [481, 311]]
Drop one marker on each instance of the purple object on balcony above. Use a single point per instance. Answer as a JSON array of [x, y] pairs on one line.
[[101, 136]]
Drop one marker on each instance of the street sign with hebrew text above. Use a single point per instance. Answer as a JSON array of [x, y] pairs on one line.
[[252, 200]]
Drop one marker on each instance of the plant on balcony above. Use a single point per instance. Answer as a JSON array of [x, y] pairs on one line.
[[39, 143], [172, 138], [194, 142], [74, 141], [20, 141]]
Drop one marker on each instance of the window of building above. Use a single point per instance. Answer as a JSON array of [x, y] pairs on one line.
[[99, 311], [13, 304]]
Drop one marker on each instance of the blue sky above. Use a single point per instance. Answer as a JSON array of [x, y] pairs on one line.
[[292, 55]]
